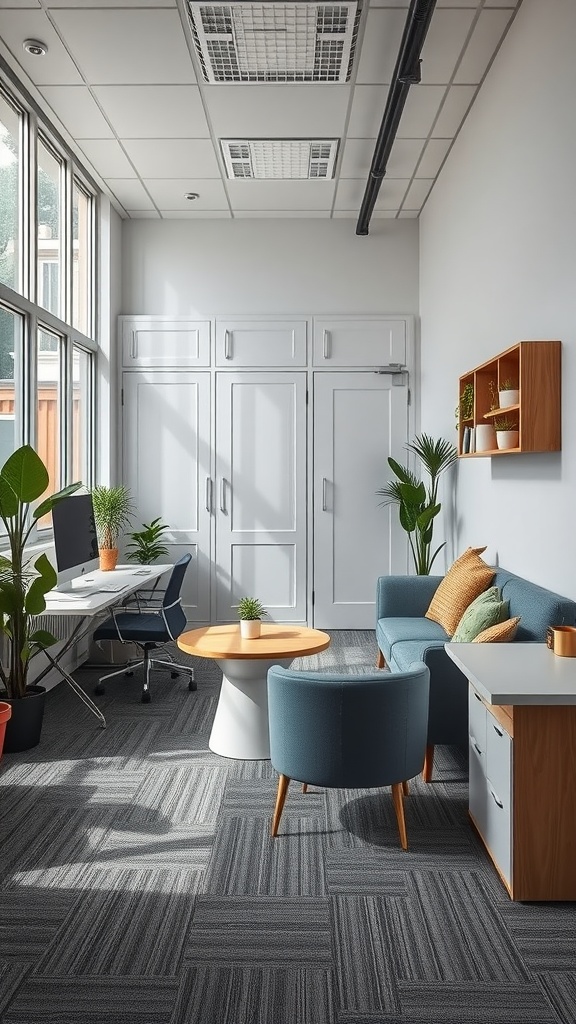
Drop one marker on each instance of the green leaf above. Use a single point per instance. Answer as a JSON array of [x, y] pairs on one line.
[[407, 518], [402, 472], [426, 517], [42, 638], [26, 475], [48, 504]]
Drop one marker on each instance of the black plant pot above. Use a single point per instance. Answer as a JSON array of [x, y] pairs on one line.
[[24, 728]]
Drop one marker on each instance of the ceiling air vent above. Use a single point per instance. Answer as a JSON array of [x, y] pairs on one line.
[[279, 158], [275, 42]]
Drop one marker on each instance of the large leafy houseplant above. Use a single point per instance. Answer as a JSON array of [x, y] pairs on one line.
[[147, 544], [23, 583], [418, 504]]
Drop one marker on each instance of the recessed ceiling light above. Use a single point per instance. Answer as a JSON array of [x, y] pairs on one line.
[[35, 47], [191, 195]]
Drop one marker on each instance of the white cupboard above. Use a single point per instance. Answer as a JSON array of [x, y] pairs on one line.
[[265, 461]]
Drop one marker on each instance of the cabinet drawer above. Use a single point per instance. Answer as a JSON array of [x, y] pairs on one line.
[[477, 789], [497, 836], [261, 343], [498, 757], [477, 715], [361, 342], [165, 343]]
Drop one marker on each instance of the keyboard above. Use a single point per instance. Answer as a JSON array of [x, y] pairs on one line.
[[111, 588]]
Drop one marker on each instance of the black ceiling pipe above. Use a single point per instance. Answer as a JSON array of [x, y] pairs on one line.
[[406, 73]]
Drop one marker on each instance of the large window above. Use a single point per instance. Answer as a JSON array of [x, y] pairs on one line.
[[47, 295]]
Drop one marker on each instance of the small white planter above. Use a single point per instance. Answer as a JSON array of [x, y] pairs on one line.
[[250, 628], [485, 437], [507, 439], [508, 398]]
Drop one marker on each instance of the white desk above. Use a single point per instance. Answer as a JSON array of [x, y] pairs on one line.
[[89, 608]]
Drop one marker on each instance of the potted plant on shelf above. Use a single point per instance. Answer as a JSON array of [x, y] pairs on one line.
[[465, 407], [146, 545], [113, 510], [508, 393], [507, 433], [418, 506], [250, 613], [23, 586]]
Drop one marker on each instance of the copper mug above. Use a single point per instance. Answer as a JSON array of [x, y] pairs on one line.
[[562, 640]]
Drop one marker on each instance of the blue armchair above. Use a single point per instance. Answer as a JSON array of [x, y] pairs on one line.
[[354, 732]]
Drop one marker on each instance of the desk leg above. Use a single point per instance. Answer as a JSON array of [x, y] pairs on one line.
[[240, 726], [77, 689]]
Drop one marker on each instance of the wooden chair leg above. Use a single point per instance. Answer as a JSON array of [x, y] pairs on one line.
[[405, 788], [399, 808], [428, 762], [283, 783], [304, 787], [380, 660]]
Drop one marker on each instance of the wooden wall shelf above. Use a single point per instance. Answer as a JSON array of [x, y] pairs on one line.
[[536, 368]]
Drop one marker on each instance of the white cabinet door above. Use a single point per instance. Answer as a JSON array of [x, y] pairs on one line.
[[261, 343], [166, 465], [149, 341], [359, 420], [261, 493], [359, 342]]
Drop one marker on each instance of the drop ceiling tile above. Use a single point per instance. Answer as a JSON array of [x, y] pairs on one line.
[[277, 111], [486, 37], [197, 215], [56, 66], [130, 193], [84, 4], [380, 47], [389, 3], [502, 3], [168, 194], [19, 3], [368, 104], [404, 157], [421, 108], [108, 158], [78, 111], [409, 214], [417, 193], [154, 111], [433, 157], [281, 195], [358, 155], [127, 46], [281, 214], [443, 45], [173, 158], [454, 110], [143, 214], [351, 192], [353, 214]]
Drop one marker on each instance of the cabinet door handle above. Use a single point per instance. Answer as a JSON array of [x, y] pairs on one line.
[[209, 494], [227, 352], [326, 344], [478, 697], [223, 496], [476, 747], [133, 346], [324, 484], [495, 799], [497, 730]]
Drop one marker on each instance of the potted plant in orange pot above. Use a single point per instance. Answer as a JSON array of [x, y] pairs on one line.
[[113, 510], [23, 586]]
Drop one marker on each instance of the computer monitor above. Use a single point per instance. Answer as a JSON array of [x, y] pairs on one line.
[[75, 540]]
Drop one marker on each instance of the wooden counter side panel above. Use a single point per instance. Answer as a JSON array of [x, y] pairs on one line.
[[544, 803]]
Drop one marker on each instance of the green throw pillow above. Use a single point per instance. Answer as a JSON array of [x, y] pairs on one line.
[[485, 611]]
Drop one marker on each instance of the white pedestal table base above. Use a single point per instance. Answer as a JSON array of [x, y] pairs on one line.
[[240, 726]]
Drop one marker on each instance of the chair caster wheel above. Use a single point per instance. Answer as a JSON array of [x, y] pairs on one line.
[[130, 673], [192, 685], [99, 690], [174, 675], [146, 698]]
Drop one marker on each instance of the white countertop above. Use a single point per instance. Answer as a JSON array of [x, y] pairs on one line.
[[81, 603], [516, 673]]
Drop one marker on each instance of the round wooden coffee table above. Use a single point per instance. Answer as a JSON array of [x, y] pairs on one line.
[[240, 726]]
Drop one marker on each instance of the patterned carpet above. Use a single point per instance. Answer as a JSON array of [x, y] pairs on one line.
[[139, 885]]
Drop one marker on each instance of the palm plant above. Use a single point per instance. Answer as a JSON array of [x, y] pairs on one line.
[[23, 584], [113, 509], [147, 545], [418, 505]]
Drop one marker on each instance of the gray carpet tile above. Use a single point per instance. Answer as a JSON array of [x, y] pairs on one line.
[[271, 931], [255, 995], [93, 1000], [139, 883]]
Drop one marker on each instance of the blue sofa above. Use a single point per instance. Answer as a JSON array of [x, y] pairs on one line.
[[404, 635]]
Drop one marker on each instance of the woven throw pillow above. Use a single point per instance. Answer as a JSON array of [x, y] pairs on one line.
[[463, 582], [499, 633], [486, 610]]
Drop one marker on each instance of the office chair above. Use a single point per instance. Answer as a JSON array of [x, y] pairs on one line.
[[149, 630], [349, 732]]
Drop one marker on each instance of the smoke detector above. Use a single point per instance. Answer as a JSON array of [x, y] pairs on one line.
[[275, 42], [35, 47], [279, 158]]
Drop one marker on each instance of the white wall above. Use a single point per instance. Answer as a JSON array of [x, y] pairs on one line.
[[269, 266], [498, 265]]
